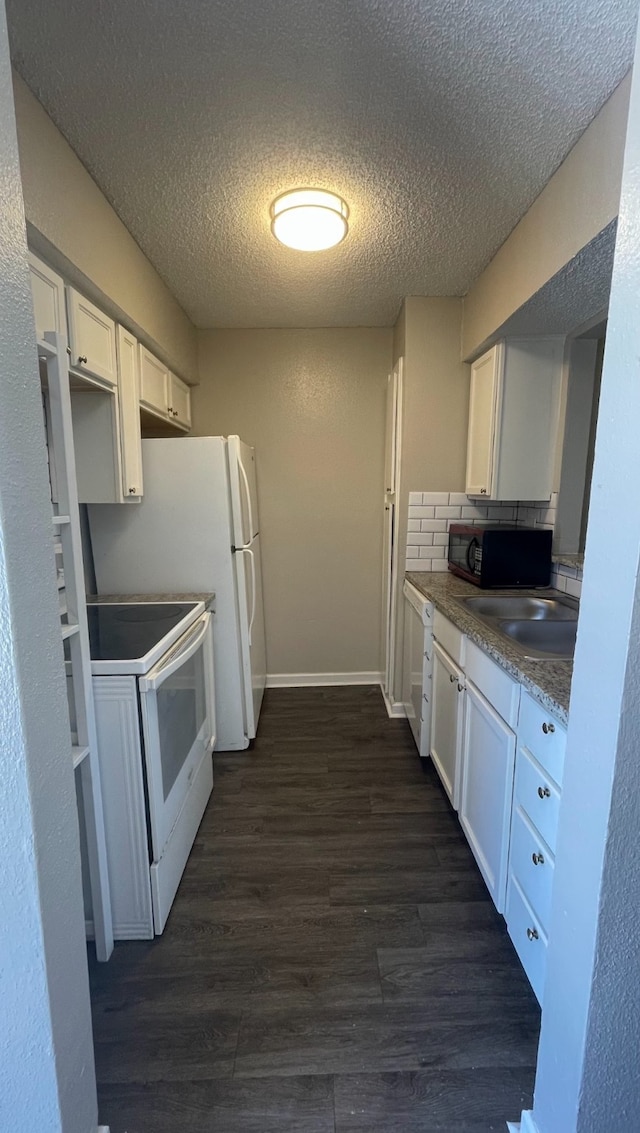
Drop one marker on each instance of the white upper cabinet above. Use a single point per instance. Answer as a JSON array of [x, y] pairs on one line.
[[154, 380], [129, 398], [486, 374], [513, 420], [47, 289], [162, 394], [92, 341], [180, 402]]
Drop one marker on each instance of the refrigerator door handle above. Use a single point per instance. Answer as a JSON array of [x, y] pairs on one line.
[[243, 473], [247, 551]]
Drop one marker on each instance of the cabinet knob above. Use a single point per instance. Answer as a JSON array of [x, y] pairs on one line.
[[460, 687], [537, 859], [169, 409], [483, 491], [132, 492], [547, 728], [532, 933], [82, 359], [452, 678], [544, 792]]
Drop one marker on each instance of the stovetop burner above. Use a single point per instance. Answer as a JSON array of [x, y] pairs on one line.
[[130, 631]]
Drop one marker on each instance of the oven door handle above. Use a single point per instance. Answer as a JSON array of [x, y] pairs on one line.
[[186, 647]]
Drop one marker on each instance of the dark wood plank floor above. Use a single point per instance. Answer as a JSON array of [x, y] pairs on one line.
[[332, 963]]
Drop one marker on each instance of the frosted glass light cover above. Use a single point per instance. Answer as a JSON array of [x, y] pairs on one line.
[[309, 220]]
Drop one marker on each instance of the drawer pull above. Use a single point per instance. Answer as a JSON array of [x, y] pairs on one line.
[[547, 728], [532, 933], [537, 859], [544, 792]]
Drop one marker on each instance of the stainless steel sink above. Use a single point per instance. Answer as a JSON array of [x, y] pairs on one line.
[[539, 639], [539, 628], [522, 606]]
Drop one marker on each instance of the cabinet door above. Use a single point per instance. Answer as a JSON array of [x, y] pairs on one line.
[[47, 289], [484, 402], [180, 402], [129, 397], [154, 380], [92, 340], [486, 791], [447, 712]]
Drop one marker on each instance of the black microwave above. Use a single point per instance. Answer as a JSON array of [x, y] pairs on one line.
[[490, 555]]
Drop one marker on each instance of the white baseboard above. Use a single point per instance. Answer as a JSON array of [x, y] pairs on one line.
[[527, 1124], [395, 708], [299, 680]]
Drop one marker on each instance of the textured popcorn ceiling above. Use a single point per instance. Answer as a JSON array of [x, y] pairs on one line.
[[439, 121]]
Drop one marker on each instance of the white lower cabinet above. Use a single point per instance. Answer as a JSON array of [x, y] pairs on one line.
[[417, 662], [447, 716], [500, 757], [528, 936], [489, 750], [536, 806]]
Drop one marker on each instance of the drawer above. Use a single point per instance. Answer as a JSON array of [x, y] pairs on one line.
[[528, 937], [496, 686], [532, 863], [450, 637], [542, 735], [538, 796]]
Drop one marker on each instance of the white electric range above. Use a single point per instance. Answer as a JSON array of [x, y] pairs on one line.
[[153, 683]]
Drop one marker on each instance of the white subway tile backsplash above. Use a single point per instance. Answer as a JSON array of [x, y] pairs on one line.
[[414, 564], [430, 514], [559, 582], [574, 587], [413, 552], [426, 552]]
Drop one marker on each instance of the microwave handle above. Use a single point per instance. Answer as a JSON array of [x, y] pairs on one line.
[[473, 543], [162, 672]]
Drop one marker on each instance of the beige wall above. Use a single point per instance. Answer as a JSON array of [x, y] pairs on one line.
[[72, 224], [312, 402], [435, 415], [579, 201]]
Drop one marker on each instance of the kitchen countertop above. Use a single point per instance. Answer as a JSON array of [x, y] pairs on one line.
[[569, 560], [548, 681], [125, 599]]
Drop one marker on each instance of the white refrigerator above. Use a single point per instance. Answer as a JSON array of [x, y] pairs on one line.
[[195, 531]]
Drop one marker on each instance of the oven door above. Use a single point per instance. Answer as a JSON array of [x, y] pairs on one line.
[[176, 699]]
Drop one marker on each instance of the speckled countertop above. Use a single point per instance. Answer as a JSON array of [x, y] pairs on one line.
[[548, 681], [125, 599], [569, 560]]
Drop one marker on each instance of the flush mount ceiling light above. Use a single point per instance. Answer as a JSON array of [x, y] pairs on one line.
[[309, 220]]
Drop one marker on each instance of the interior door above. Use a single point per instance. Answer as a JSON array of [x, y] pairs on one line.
[[390, 564], [252, 632]]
